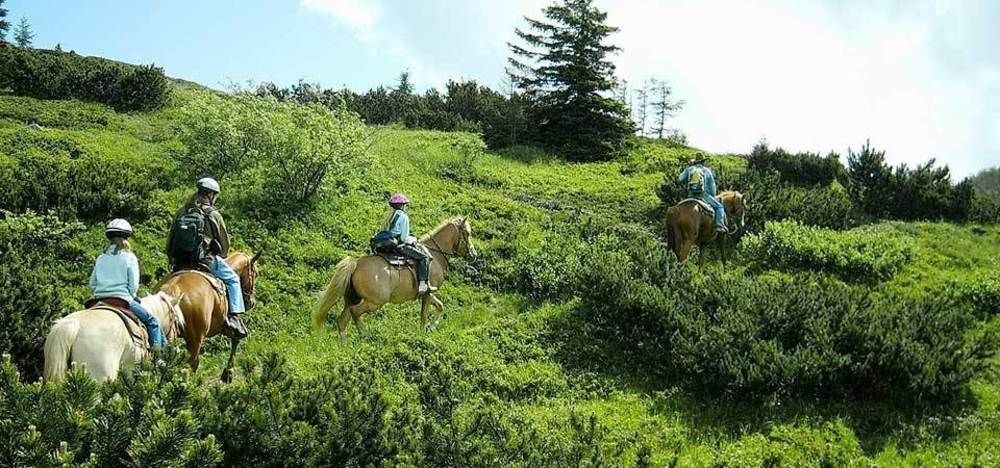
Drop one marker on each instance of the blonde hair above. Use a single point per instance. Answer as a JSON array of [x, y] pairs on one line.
[[120, 243]]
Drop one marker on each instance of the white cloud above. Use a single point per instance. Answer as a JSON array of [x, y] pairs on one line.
[[359, 14]]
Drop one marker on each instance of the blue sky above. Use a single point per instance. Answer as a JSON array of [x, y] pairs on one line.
[[921, 78]]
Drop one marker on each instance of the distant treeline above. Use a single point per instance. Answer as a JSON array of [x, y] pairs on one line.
[[463, 106]]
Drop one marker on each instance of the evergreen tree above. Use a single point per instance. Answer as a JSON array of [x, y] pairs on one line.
[[663, 106], [23, 34], [4, 24], [564, 72], [642, 111]]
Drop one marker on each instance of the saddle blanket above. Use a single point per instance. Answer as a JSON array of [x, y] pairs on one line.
[[701, 203], [216, 283]]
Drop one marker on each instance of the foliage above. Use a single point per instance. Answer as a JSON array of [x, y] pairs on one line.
[[23, 34], [4, 24], [770, 199], [862, 254], [31, 253], [49, 74], [287, 153], [987, 181], [564, 71], [52, 170], [781, 336], [924, 192], [801, 169]]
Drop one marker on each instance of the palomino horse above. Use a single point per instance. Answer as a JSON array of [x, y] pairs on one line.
[[98, 339], [689, 224], [205, 309], [366, 284]]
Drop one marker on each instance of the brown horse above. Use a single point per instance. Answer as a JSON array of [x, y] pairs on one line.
[[366, 284], [205, 309], [689, 224]]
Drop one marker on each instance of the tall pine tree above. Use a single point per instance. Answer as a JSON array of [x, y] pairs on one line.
[[564, 72], [23, 34], [663, 106], [4, 24]]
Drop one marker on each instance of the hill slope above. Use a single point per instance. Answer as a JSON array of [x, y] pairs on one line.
[[514, 335]]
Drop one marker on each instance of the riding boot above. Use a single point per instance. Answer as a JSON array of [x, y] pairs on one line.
[[423, 271], [235, 324]]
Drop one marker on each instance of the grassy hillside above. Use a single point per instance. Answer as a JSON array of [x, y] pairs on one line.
[[515, 335]]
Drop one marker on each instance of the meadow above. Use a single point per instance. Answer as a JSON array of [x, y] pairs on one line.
[[543, 357]]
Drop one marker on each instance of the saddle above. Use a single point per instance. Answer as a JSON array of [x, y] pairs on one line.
[[136, 329], [396, 259], [702, 203]]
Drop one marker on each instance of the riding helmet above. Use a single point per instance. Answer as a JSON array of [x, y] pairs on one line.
[[208, 184], [118, 228]]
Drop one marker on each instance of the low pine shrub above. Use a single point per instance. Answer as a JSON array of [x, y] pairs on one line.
[[50, 74], [770, 199], [863, 254], [777, 336]]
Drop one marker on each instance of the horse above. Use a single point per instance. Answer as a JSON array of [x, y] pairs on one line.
[[366, 284], [99, 340], [688, 223], [205, 309]]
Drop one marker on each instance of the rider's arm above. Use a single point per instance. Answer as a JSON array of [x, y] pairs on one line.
[[221, 235], [684, 175], [133, 274], [93, 278]]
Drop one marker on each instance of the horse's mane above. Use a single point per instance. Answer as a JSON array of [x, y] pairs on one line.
[[441, 226]]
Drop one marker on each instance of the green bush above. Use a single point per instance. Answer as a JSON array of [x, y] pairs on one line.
[[765, 337], [49, 74], [802, 169], [32, 256], [49, 171], [864, 254], [770, 199]]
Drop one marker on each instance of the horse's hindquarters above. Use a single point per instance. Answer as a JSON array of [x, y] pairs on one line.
[[102, 343]]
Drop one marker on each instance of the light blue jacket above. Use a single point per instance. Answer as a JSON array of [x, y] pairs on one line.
[[399, 225], [710, 189], [115, 275]]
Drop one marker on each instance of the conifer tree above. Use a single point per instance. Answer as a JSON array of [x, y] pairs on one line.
[[563, 70], [23, 34], [4, 24], [663, 106], [642, 110]]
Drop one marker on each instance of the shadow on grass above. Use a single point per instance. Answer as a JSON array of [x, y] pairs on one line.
[[589, 353]]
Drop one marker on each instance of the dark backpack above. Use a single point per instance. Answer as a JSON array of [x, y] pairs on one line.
[[187, 245], [383, 242]]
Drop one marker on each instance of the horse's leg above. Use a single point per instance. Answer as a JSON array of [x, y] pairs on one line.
[[722, 248], [440, 310], [685, 250], [425, 300], [357, 311], [227, 373], [194, 349], [342, 322]]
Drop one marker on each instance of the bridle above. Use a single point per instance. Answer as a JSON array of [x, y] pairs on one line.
[[251, 283], [463, 239]]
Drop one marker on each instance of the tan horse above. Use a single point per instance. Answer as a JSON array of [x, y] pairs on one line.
[[205, 309], [98, 339], [688, 224], [366, 284]]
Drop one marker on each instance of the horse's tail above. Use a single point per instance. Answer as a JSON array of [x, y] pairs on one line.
[[335, 292], [673, 231], [58, 346]]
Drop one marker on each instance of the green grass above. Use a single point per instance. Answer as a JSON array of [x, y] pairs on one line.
[[541, 359]]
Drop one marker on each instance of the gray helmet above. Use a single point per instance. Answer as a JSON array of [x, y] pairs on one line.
[[118, 228], [208, 184]]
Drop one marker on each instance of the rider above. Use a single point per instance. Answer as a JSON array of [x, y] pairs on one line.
[[116, 276], [700, 183], [398, 224], [213, 248]]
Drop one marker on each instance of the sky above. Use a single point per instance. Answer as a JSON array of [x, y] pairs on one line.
[[919, 78]]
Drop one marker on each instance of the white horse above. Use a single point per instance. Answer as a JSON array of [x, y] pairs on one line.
[[98, 340]]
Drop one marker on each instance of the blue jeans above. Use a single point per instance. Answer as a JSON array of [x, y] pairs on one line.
[[224, 272], [720, 209], [156, 338]]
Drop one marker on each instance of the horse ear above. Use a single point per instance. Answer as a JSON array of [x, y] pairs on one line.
[[746, 197], [256, 257], [179, 299]]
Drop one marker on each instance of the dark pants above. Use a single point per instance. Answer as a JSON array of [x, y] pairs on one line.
[[419, 254]]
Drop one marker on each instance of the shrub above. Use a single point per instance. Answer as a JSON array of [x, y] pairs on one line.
[[802, 169], [863, 254], [49, 74], [769, 199], [32, 256], [45, 171], [764, 337], [287, 152]]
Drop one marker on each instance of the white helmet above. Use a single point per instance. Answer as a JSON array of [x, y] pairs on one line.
[[208, 184], [118, 228]]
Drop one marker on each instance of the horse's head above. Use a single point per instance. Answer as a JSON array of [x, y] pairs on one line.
[[246, 268], [465, 247], [171, 319], [736, 209]]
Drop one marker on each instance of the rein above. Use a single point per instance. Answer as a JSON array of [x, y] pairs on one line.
[[174, 325], [437, 247]]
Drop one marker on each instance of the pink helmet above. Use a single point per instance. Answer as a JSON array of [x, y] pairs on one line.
[[398, 199]]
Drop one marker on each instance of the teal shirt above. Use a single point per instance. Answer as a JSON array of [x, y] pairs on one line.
[[399, 225], [710, 188], [115, 275]]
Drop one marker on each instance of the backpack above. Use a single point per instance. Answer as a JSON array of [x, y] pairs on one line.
[[187, 245], [696, 181], [383, 242]]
